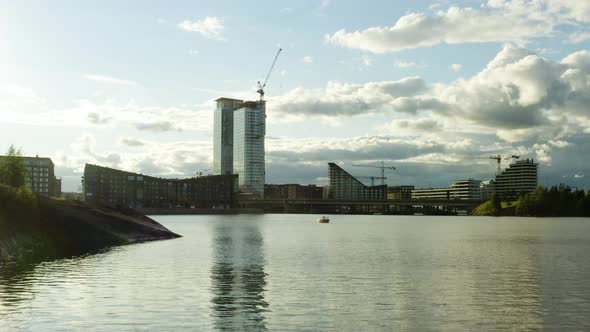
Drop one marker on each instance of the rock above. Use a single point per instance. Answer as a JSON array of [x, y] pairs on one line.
[[57, 228]]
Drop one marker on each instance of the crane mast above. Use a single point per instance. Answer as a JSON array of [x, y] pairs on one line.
[[261, 86]]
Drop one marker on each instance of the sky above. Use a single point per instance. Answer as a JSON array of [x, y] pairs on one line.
[[433, 88]]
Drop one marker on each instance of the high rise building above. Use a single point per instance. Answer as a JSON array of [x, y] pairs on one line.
[[223, 133], [520, 177], [249, 129]]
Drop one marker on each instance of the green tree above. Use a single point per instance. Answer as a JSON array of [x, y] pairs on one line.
[[12, 168]]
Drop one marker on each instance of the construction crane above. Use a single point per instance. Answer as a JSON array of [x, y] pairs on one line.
[[498, 159], [261, 86], [382, 167], [373, 178], [200, 173]]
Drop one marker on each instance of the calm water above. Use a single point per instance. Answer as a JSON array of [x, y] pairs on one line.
[[287, 272]]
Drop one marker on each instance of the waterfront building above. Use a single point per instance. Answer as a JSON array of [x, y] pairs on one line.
[[292, 191], [223, 133], [400, 193], [520, 177], [249, 129], [344, 186], [112, 187], [40, 176], [461, 189], [487, 189]]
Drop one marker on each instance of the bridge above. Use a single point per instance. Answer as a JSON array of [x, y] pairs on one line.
[[360, 206]]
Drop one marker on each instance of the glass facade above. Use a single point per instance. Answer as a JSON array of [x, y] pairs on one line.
[[223, 129], [249, 129]]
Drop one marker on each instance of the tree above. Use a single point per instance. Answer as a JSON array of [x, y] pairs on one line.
[[12, 168]]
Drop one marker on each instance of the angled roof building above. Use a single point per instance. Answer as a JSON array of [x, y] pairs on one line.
[[344, 186]]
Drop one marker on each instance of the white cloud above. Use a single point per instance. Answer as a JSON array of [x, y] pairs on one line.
[[193, 52], [456, 66], [578, 37], [579, 175], [456, 25], [307, 59], [210, 27], [109, 80], [402, 64]]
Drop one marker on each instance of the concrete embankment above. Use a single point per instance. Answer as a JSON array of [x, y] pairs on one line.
[[44, 227], [183, 211]]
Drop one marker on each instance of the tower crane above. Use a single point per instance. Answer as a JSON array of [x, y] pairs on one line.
[[200, 173], [498, 159], [261, 86], [373, 178], [382, 167]]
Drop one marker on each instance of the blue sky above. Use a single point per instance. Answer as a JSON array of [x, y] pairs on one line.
[[433, 87]]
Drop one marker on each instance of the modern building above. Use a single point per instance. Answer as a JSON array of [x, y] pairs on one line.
[[238, 143], [292, 191], [520, 177], [400, 193], [344, 186], [223, 133], [248, 147], [461, 189], [487, 189], [40, 176], [112, 187]]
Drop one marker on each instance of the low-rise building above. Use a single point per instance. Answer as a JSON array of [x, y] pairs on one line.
[[292, 191], [400, 193], [460, 189], [40, 176], [112, 187]]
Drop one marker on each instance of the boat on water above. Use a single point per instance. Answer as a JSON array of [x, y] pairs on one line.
[[324, 220]]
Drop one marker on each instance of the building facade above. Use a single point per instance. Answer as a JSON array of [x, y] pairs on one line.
[[400, 193], [292, 191], [223, 133], [344, 186], [112, 187], [520, 177], [249, 130], [40, 176], [461, 189]]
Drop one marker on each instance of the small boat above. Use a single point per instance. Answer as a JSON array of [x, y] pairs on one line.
[[324, 220]]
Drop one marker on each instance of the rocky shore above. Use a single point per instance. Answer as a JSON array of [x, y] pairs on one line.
[[44, 227]]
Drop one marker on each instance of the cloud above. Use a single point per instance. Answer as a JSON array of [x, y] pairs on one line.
[[132, 142], [307, 59], [579, 37], [109, 80], [456, 66], [353, 99], [157, 126], [96, 118], [209, 27], [457, 25], [579, 175], [402, 64]]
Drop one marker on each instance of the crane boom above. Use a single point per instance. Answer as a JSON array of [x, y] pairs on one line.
[[261, 86], [382, 167]]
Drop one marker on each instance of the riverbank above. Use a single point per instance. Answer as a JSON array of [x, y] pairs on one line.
[[43, 227]]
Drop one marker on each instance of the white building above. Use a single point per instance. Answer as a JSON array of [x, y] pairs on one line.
[[521, 176], [460, 189], [249, 129], [223, 133]]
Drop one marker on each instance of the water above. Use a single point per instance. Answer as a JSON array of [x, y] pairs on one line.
[[287, 272]]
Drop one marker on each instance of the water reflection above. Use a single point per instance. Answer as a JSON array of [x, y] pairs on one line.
[[15, 285], [238, 277]]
